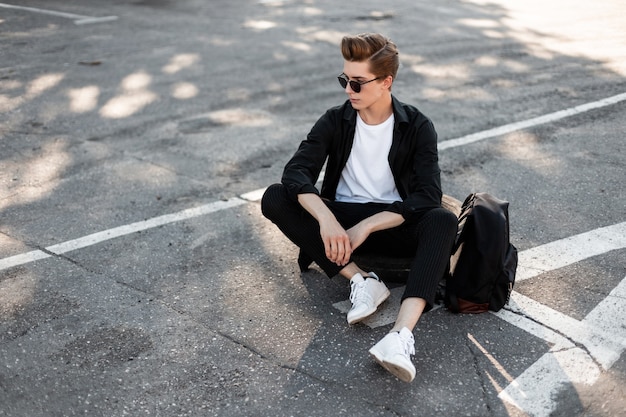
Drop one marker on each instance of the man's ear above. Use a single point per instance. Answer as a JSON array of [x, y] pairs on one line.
[[387, 82]]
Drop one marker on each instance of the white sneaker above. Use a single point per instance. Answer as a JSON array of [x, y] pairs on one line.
[[393, 352], [366, 295]]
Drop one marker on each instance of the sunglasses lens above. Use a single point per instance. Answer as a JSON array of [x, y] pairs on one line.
[[356, 87]]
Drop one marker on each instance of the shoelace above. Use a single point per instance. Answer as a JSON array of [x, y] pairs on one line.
[[408, 344], [359, 294]]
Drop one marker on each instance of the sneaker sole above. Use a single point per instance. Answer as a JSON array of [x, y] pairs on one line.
[[394, 369], [365, 315]]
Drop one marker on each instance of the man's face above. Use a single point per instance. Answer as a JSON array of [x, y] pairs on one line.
[[371, 92]]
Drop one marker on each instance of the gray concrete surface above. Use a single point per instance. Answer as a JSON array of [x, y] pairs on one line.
[[182, 104]]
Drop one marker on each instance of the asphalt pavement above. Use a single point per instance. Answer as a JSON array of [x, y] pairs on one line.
[[138, 276]]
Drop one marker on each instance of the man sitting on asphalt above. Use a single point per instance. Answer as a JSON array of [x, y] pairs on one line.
[[381, 194]]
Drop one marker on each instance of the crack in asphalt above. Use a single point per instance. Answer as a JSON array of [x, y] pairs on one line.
[[337, 387], [575, 343]]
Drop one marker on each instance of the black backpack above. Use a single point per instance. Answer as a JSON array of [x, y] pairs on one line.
[[483, 260]]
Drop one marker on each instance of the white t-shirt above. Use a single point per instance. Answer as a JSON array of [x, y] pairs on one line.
[[367, 176]]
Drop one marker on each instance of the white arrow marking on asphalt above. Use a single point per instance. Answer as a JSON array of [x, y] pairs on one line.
[[578, 346], [602, 333]]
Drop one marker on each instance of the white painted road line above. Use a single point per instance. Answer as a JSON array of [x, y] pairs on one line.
[[580, 350], [22, 259], [524, 272], [554, 255], [603, 337], [90, 20], [536, 390], [602, 333], [551, 117], [545, 258], [143, 225], [109, 234], [254, 195], [77, 18]]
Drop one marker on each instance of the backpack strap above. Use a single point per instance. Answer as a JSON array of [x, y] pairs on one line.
[[466, 211]]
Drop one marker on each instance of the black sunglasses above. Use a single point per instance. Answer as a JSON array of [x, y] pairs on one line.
[[354, 85]]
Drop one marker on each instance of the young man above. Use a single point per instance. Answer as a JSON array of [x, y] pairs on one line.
[[381, 194]]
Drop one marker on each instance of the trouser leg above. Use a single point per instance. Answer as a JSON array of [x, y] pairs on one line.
[[435, 234], [297, 225], [302, 228], [428, 241]]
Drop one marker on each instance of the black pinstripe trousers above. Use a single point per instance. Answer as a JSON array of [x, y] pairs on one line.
[[428, 240]]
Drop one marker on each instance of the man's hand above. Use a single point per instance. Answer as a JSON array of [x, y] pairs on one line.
[[339, 243], [336, 241], [335, 238]]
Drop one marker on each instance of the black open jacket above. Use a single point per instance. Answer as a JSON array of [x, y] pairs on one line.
[[413, 158]]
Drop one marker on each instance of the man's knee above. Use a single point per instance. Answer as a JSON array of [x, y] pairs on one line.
[[443, 220], [273, 201], [451, 220]]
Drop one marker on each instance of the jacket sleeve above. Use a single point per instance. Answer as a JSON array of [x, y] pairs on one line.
[[420, 183], [303, 169]]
